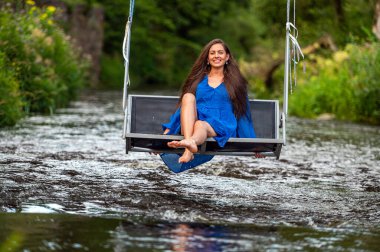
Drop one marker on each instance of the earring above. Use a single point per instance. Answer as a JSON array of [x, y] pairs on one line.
[[226, 63], [208, 63]]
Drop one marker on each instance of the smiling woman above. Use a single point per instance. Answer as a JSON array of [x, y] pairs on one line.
[[214, 115], [214, 103]]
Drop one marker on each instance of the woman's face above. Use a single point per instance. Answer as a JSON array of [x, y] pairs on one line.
[[217, 56]]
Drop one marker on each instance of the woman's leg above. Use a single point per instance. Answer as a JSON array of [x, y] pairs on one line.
[[188, 118], [188, 115], [194, 131], [202, 130]]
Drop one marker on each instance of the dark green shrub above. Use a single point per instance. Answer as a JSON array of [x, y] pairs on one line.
[[346, 85], [44, 63], [10, 100], [112, 71]]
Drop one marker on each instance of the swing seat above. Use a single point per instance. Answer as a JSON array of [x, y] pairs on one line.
[[146, 113]]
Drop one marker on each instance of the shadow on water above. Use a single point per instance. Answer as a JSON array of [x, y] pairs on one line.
[[66, 184]]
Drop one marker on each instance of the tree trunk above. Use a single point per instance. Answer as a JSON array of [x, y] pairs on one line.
[[338, 4], [376, 25]]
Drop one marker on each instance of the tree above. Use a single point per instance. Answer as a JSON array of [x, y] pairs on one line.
[[376, 25], [167, 36]]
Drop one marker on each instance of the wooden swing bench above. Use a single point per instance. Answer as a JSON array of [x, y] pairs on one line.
[[146, 113]]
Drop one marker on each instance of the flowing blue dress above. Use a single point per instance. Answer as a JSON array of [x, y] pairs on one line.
[[215, 107]]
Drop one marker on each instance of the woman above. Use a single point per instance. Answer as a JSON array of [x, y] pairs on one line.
[[214, 102]]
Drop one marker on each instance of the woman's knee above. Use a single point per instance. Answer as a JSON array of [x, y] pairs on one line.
[[206, 127], [200, 124]]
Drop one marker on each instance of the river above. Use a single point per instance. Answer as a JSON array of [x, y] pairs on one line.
[[66, 184]]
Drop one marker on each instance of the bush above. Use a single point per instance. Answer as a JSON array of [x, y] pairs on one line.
[[345, 85], [112, 71], [10, 100], [44, 63]]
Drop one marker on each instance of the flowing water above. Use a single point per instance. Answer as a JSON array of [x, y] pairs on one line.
[[66, 185]]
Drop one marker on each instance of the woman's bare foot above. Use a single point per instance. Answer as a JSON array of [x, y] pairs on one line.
[[186, 157], [185, 143], [173, 144]]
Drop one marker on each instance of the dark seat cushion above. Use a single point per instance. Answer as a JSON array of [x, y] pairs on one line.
[[149, 112]]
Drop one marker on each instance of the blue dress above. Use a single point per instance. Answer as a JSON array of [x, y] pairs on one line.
[[215, 107]]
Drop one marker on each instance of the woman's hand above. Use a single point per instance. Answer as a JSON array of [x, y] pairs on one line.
[[258, 155]]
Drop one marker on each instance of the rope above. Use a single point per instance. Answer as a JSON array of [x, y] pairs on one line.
[[131, 8], [292, 57], [296, 51], [287, 11], [126, 51]]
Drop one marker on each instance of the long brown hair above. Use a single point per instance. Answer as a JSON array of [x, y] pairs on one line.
[[234, 81]]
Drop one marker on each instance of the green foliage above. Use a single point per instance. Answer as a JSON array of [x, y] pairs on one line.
[[346, 21], [13, 242], [365, 78], [345, 85], [10, 100], [168, 36], [40, 58], [112, 72]]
